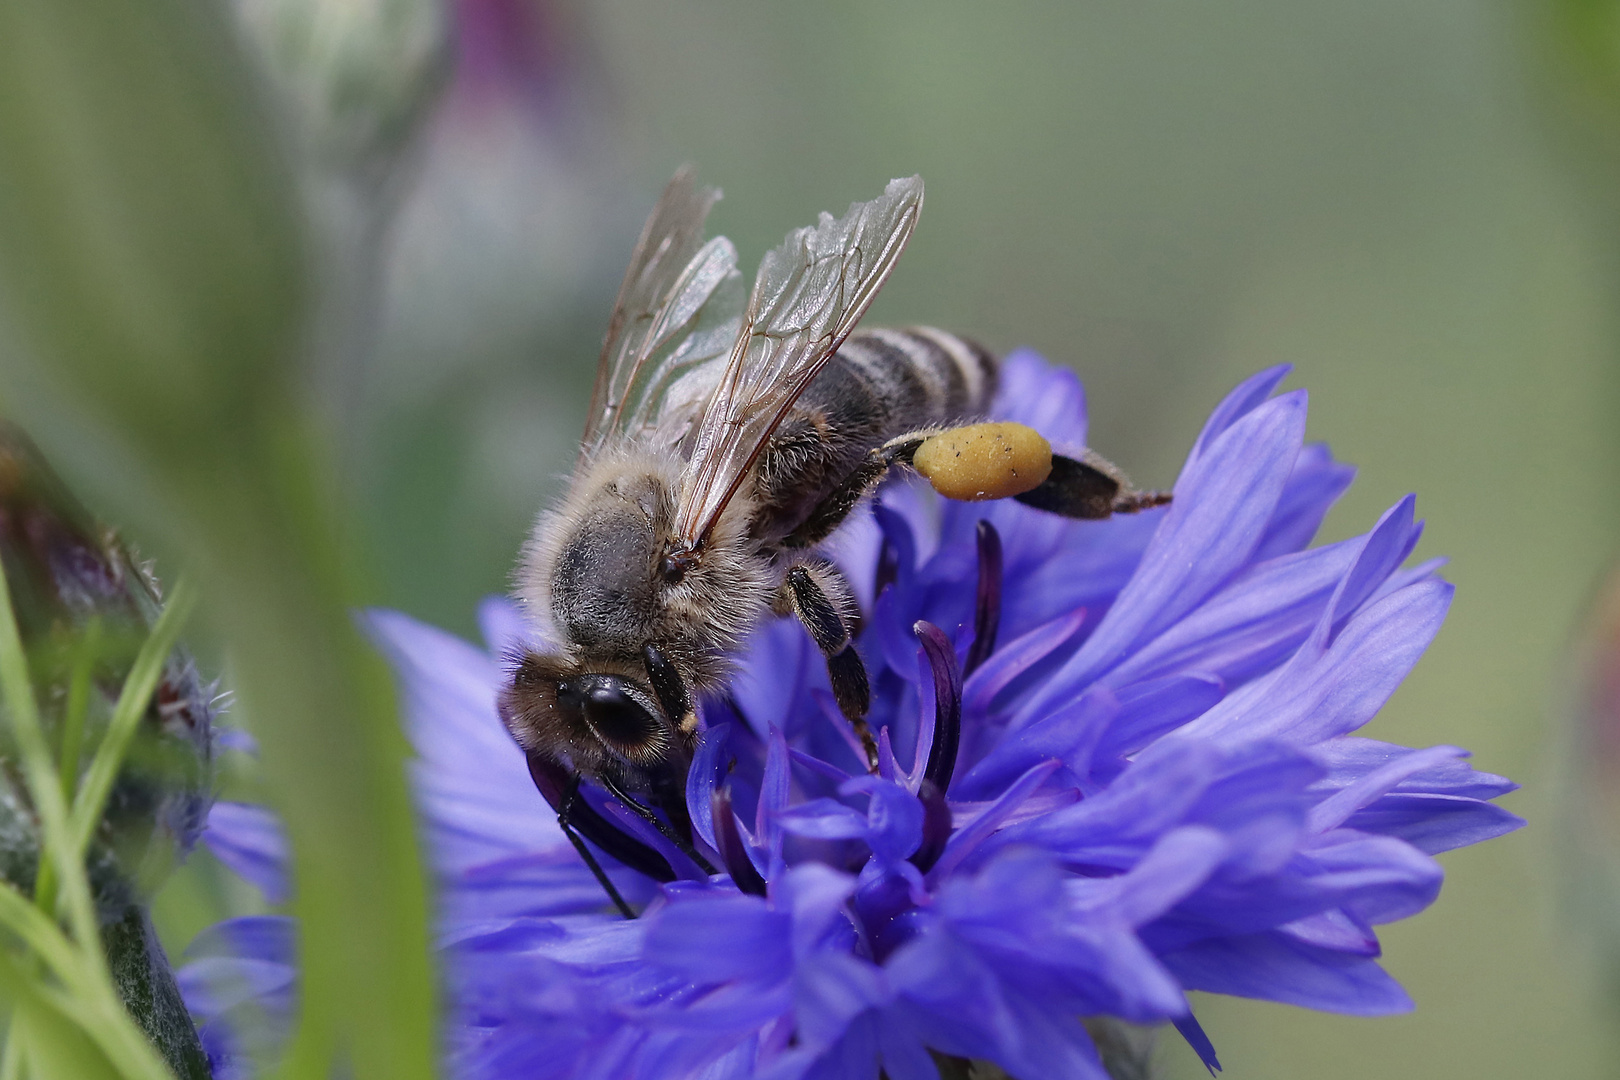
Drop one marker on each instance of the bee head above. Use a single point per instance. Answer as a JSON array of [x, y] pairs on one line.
[[601, 721], [619, 712]]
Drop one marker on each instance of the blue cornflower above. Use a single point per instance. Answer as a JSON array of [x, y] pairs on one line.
[[1117, 764]]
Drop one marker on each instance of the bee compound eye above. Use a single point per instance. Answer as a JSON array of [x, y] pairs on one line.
[[617, 717]]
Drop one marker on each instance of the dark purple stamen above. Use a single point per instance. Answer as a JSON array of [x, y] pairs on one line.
[[888, 568], [936, 826], [947, 704], [552, 781], [730, 843], [987, 608]]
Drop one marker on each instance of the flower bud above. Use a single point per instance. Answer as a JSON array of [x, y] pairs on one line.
[[83, 606], [358, 75]]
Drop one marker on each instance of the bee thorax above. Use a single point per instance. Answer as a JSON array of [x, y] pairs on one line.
[[601, 567]]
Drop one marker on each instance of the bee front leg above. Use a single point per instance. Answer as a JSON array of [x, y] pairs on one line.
[[571, 801], [679, 833], [822, 600]]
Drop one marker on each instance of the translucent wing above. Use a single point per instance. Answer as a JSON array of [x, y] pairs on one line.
[[671, 280], [810, 293]]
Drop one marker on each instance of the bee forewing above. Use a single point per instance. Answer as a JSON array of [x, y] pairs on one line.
[[671, 277], [809, 294], [668, 398]]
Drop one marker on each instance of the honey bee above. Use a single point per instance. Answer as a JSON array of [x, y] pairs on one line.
[[726, 440]]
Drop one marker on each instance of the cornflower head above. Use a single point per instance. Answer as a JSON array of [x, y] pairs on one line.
[[1117, 763]]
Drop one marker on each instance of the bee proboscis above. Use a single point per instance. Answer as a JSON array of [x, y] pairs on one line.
[[726, 440]]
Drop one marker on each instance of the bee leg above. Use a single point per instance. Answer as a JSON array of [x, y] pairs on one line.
[[821, 599], [579, 821], [668, 831], [1089, 487], [671, 691], [836, 506], [570, 800]]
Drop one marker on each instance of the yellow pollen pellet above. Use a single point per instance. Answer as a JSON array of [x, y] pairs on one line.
[[984, 461]]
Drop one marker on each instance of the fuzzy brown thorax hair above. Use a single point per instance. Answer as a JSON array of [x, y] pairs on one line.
[[593, 567]]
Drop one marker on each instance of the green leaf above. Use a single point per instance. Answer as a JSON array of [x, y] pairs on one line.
[[152, 262], [155, 277]]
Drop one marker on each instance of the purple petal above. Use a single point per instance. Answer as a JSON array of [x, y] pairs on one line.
[[1251, 624], [1384, 549], [1175, 866], [1149, 709], [1049, 399], [1223, 501], [815, 894], [250, 840], [1067, 735], [271, 938], [972, 834], [1244, 399], [894, 818], [728, 841], [823, 819], [1153, 795], [503, 626], [779, 654], [1193, 1032], [904, 1056], [1378, 879], [1434, 823], [1333, 810], [1313, 487], [1315, 697], [831, 991], [1348, 758], [719, 939], [1274, 967], [1017, 657], [215, 985], [702, 777], [554, 881], [1335, 929], [472, 780], [773, 795]]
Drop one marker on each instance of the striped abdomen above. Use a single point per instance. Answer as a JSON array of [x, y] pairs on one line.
[[879, 385]]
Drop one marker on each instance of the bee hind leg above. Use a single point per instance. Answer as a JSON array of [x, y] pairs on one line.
[[975, 462], [1089, 487], [837, 504], [821, 599]]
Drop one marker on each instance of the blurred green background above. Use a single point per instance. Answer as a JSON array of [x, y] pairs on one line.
[[1409, 200]]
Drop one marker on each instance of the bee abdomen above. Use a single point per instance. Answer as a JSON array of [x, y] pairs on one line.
[[926, 376], [880, 384]]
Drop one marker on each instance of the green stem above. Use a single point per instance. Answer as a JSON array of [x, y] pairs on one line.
[[90, 999], [73, 721], [133, 699], [87, 995], [78, 706], [17, 689], [146, 983], [11, 1060]]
